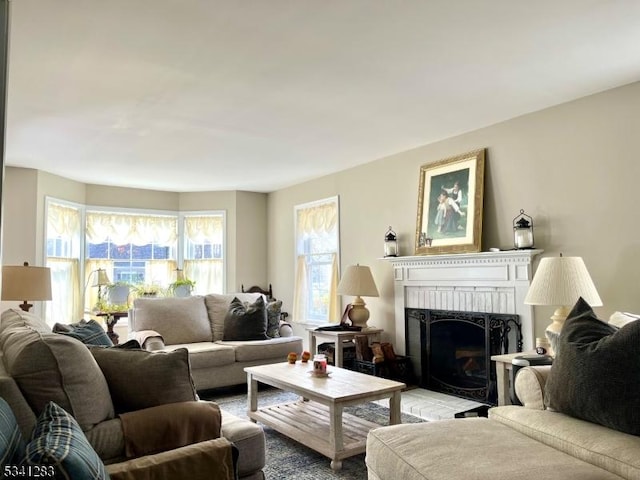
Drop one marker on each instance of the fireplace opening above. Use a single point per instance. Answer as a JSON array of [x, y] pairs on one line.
[[451, 351]]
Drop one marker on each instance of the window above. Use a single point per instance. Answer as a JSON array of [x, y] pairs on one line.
[[317, 249], [136, 248], [204, 251], [63, 254]]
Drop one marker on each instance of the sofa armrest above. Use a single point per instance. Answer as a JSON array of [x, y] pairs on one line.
[[149, 339], [198, 461], [529, 386]]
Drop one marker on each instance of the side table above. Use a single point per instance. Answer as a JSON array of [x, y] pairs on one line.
[[503, 375], [338, 338], [111, 318]]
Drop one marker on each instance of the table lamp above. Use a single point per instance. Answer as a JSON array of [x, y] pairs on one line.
[[24, 282], [560, 282], [357, 280], [102, 279]]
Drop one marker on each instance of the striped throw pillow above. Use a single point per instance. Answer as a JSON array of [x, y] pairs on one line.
[[12, 445], [88, 332], [58, 440]]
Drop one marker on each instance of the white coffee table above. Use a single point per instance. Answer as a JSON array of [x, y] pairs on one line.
[[317, 419]]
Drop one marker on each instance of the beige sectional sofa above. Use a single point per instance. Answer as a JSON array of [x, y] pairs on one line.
[[514, 443], [197, 324]]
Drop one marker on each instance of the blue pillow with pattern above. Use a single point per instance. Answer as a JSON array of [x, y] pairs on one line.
[[58, 440], [12, 445], [88, 332]]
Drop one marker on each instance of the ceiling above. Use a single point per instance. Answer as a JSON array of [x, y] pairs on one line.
[[204, 95]]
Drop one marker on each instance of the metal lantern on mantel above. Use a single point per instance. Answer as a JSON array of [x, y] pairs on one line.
[[390, 243], [523, 231]]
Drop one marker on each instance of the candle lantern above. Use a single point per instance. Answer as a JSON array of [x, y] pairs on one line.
[[390, 244], [523, 231]]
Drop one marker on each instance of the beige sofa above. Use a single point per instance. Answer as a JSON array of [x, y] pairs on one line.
[[38, 366], [514, 443], [197, 324]]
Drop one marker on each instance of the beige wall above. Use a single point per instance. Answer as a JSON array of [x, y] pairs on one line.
[[573, 168]]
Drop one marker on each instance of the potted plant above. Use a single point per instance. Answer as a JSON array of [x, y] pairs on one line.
[[118, 293], [181, 287], [147, 290]]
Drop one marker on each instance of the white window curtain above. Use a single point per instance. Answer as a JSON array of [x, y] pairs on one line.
[[318, 221], [206, 271], [203, 228], [66, 291], [160, 272], [64, 230], [122, 228], [208, 275]]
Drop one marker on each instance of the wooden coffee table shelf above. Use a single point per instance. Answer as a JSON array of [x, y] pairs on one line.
[[317, 420]]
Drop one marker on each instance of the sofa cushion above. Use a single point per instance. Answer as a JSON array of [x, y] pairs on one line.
[[590, 376], [274, 309], [88, 332], [51, 367], [274, 348], [12, 445], [474, 448], [207, 354], [58, 442], [16, 317], [217, 307], [177, 319], [609, 449], [246, 321], [151, 378]]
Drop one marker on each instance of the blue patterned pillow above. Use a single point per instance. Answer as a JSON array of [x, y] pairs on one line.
[[12, 445], [89, 333], [58, 440], [274, 309]]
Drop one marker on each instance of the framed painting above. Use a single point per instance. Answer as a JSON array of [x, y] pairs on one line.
[[450, 199]]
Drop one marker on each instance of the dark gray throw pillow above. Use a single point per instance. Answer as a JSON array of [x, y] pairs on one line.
[[246, 322], [140, 379], [594, 374]]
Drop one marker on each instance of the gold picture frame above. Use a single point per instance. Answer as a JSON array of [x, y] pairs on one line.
[[450, 198]]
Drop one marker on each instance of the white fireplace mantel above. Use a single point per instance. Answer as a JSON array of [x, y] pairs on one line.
[[491, 282]]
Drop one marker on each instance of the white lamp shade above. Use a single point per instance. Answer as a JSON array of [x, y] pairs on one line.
[[23, 282], [358, 281], [560, 281]]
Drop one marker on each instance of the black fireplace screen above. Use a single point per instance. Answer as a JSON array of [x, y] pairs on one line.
[[451, 351]]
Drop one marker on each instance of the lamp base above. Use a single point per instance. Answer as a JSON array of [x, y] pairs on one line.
[[552, 332], [25, 306], [358, 314]]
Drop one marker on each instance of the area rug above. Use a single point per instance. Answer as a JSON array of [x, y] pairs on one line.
[[290, 460]]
